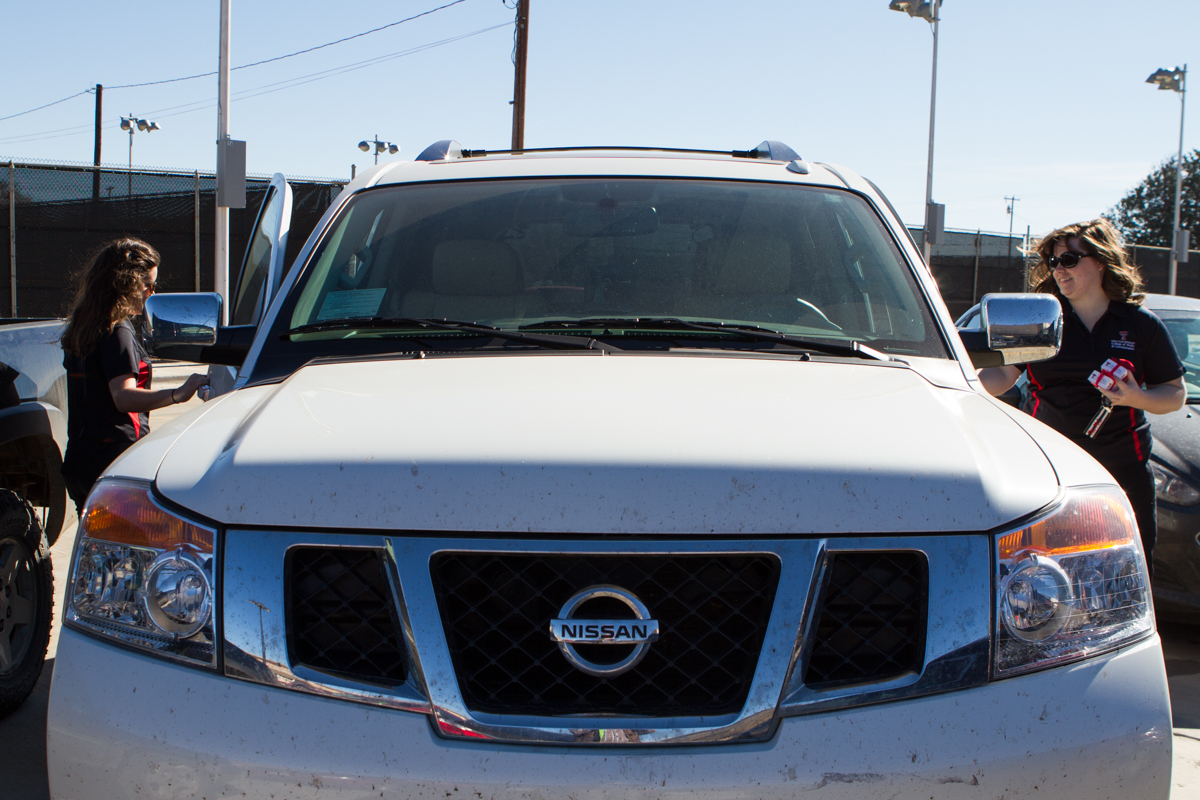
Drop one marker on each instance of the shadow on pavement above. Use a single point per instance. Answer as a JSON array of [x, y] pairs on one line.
[[23, 754]]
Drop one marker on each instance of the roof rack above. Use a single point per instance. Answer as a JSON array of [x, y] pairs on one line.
[[450, 149]]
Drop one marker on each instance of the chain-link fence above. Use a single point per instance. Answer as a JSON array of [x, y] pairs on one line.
[[64, 213], [972, 263]]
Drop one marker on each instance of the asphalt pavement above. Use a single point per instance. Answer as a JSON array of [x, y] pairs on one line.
[[23, 734]]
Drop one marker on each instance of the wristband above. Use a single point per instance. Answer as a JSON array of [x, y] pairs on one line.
[[174, 402]]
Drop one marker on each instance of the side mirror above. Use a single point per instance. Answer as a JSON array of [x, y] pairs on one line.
[[186, 327], [181, 325], [1015, 329]]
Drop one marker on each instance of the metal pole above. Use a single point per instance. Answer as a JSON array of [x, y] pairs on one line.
[[1025, 258], [1012, 210], [377, 149], [262, 629], [196, 225], [96, 172], [518, 128], [937, 14], [129, 188], [1172, 271], [221, 248], [12, 236]]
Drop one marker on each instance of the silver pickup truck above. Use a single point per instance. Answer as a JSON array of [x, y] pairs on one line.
[[605, 473], [33, 499]]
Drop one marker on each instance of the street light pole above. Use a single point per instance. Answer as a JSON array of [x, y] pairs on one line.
[[129, 173], [380, 147], [131, 124], [1175, 231], [221, 243], [1175, 81], [931, 12], [937, 9]]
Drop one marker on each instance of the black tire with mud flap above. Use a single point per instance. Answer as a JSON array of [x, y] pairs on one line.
[[26, 598]]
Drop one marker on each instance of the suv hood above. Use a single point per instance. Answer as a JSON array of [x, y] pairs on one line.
[[582, 443]]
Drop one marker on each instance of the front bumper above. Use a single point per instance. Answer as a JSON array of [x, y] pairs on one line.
[[122, 725]]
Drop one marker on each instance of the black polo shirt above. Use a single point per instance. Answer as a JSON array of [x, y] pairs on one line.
[[1061, 396], [92, 415]]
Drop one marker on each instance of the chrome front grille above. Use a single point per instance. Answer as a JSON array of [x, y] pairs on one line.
[[712, 610], [752, 630]]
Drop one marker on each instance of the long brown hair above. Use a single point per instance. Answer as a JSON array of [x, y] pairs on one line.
[[1122, 280], [109, 290]]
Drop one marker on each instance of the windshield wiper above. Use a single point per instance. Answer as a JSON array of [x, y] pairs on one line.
[[543, 339], [751, 332]]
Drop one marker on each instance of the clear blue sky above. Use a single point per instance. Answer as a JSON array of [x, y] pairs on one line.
[[1044, 99]]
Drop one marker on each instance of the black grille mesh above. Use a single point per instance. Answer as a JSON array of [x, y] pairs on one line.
[[341, 614], [712, 613], [872, 621]]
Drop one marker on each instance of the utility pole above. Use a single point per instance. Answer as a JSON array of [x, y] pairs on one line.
[[221, 248], [521, 56], [262, 629], [96, 172], [1012, 206]]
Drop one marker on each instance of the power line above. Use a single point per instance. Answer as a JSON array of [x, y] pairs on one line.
[[268, 88], [291, 83], [56, 102], [334, 71], [244, 66], [297, 53]]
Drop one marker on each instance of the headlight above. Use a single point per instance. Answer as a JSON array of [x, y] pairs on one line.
[[1173, 489], [1071, 584], [143, 576]]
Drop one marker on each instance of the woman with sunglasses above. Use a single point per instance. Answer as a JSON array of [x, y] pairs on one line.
[[109, 394], [1085, 266]]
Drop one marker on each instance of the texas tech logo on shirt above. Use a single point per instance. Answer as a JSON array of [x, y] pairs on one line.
[[1123, 343]]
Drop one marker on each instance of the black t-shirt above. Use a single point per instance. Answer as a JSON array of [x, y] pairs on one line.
[[92, 415], [1061, 396]]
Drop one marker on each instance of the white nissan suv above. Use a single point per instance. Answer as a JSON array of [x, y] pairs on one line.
[[604, 473]]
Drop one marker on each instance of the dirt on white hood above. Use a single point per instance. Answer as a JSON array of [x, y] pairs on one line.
[[561, 443]]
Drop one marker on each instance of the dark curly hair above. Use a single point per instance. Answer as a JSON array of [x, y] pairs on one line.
[[1122, 280], [109, 290]]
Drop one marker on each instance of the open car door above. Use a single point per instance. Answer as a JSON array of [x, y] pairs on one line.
[[258, 280], [256, 283]]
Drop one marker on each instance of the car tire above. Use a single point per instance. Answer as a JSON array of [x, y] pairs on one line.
[[26, 598]]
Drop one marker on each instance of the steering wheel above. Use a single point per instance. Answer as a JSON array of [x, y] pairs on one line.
[[780, 310]]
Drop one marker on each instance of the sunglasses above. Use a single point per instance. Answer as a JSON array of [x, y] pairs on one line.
[[151, 285], [1067, 260]]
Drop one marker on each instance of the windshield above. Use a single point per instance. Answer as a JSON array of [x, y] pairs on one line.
[[1184, 327], [578, 256]]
